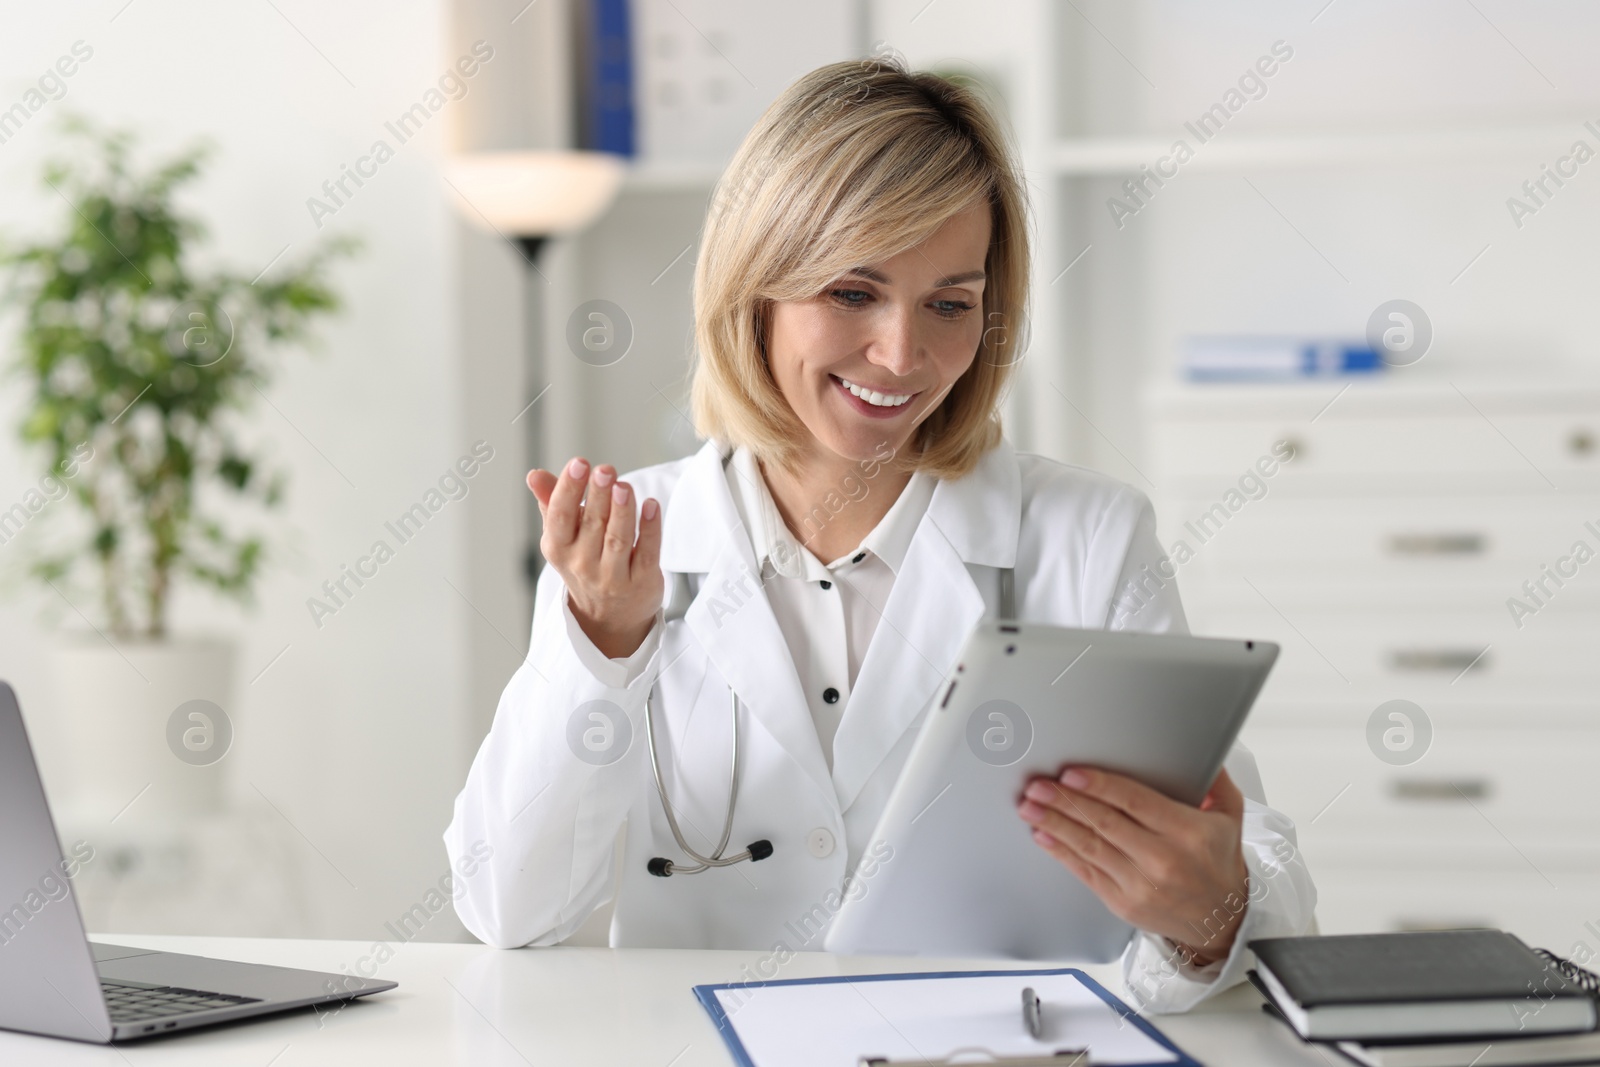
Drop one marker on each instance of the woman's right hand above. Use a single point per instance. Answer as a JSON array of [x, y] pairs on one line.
[[614, 583]]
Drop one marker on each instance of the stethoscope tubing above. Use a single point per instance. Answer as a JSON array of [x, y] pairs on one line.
[[716, 859]]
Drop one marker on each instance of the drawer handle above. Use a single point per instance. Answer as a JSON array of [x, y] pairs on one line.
[[1439, 544], [1455, 660], [1432, 789], [1418, 926], [1580, 443]]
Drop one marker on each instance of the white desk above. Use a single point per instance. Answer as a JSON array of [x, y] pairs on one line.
[[483, 1007]]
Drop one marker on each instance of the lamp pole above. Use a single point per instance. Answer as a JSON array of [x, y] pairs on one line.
[[533, 431]]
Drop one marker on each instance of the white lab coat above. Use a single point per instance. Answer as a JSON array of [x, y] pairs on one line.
[[1085, 553]]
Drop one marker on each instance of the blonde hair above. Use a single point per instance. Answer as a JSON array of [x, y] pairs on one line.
[[856, 162]]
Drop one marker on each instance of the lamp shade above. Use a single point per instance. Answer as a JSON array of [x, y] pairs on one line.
[[535, 194]]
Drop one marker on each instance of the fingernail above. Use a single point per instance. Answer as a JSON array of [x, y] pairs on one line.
[[578, 468], [1040, 790], [649, 509], [1074, 778], [619, 493], [602, 477], [1030, 811]]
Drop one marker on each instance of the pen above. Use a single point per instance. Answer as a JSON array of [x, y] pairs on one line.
[[1030, 1012]]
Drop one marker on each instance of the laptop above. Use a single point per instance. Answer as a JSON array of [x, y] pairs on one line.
[[55, 981]]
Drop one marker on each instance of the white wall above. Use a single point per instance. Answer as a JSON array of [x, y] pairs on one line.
[[357, 733]]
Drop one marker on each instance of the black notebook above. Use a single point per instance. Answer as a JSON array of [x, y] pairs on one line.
[[1431, 984], [1518, 1050]]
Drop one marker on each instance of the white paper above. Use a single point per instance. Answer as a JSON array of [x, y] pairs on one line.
[[834, 1024]]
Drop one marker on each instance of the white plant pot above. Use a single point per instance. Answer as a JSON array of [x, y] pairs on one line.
[[115, 750]]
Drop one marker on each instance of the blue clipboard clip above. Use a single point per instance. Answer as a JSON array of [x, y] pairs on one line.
[[1065, 1057]]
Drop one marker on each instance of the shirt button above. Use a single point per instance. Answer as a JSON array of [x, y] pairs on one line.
[[826, 584], [858, 557], [830, 695], [820, 842]]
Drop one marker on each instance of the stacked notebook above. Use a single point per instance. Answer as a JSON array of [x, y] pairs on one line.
[[1432, 999]]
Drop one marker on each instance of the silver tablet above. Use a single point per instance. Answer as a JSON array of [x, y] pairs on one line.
[[963, 876]]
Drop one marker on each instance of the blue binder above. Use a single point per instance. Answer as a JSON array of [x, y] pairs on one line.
[[606, 78]]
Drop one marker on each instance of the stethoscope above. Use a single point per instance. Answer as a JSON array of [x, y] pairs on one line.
[[660, 866], [756, 851]]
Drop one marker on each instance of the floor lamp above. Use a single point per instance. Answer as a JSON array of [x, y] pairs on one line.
[[526, 198]]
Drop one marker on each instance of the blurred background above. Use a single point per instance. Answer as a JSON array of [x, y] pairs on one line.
[[1343, 337]]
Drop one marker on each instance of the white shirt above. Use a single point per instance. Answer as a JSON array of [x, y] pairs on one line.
[[828, 613], [827, 629]]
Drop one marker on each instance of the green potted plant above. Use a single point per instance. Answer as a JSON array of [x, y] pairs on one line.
[[139, 364]]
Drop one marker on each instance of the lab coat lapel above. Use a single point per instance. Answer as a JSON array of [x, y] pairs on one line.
[[932, 607], [731, 617]]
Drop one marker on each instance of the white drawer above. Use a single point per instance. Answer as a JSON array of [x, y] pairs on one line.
[[1421, 656], [1511, 798], [1318, 589], [1346, 455], [1494, 542]]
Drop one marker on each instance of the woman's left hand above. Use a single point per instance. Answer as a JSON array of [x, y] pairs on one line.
[[1157, 863]]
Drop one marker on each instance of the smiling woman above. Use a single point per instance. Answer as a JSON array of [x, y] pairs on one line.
[[859, 298]]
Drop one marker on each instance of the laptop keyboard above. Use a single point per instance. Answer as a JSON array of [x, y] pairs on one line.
[[130, 1002]]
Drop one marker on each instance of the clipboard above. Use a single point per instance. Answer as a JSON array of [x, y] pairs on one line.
[[928, 1017]]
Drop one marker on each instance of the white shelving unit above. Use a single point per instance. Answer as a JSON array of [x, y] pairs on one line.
[[1294, 151], [1381, 559]]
